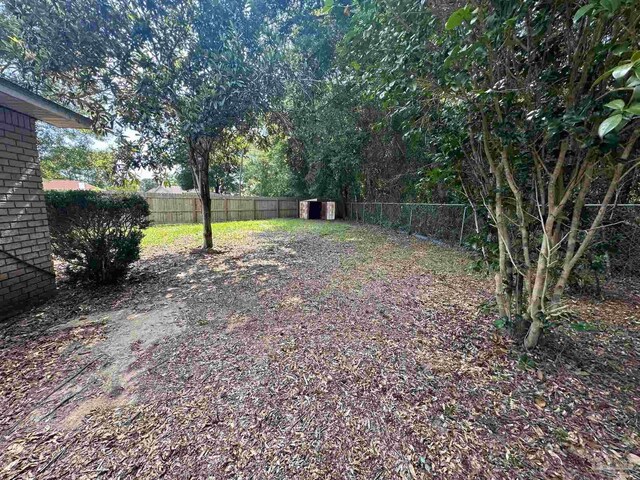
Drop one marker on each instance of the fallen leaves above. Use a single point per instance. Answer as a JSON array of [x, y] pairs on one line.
[[312, 356]]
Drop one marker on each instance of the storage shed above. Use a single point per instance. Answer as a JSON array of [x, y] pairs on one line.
[[26, 269], [317, 209]]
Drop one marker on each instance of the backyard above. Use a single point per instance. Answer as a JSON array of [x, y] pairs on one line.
[[313, 350]]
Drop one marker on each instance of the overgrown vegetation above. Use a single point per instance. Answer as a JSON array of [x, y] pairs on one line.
[[527, 110], [97, 234]]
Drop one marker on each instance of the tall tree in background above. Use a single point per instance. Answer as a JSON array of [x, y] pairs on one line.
[[74, 155], [266, 172]]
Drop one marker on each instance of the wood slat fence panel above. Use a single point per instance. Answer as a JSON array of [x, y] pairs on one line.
[[169, 208]]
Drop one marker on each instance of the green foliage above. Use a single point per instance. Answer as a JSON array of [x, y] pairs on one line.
[[97, 234], [178, 73], [330, 144], [225, 165], [267, 173], [71, 155], [65, 51], [362, 132], [458, 17]]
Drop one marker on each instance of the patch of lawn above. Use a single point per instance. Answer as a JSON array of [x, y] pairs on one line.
[[228, 231], [375, 255]]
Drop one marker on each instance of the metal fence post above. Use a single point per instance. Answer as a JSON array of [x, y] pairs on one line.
[[380, 214], [410, 217], [464, 217]]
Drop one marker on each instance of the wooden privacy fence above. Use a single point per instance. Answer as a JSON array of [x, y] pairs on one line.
[[168, 208]]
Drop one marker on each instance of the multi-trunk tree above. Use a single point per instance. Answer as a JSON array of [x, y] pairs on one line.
[[551, 93], [544, 98]]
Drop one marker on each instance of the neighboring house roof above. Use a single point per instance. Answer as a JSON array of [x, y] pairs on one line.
[[21, 100], [67, 185], [162, 189]]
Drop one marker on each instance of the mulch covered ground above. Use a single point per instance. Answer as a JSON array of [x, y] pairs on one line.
[[350, 353]]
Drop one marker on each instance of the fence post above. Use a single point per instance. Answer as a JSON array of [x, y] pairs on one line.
[[254, 209], [410, 217], [464, 217], [225, 206], [380, 213], [278, 208], [195, 210]]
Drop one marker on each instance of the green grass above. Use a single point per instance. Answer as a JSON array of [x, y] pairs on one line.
[[374, 257], [228, 231]]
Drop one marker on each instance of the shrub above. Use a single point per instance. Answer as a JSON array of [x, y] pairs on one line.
[[98, 234]]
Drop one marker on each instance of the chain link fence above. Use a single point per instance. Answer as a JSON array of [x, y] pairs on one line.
[[616, 247], [614, 251]]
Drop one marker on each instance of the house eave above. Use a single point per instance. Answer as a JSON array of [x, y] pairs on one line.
[[16, 98]]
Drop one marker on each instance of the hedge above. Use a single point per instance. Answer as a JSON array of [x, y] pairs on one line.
[[98, 234]]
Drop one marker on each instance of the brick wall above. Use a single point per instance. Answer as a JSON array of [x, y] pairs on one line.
[[26, 270]]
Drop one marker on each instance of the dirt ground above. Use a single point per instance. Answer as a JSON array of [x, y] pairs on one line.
[[312, 350]]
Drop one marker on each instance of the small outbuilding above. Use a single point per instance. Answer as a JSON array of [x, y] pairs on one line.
[[26, 269], [318, 209]]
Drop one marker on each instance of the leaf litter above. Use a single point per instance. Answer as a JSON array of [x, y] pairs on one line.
[[294, 354]]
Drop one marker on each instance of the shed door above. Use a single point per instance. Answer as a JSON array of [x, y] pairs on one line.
[[304, 210], [331, 211]]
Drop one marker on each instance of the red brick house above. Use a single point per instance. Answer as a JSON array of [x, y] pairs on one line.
[[26, 269]]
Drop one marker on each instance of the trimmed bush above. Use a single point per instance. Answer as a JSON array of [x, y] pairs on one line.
[[98, 234]]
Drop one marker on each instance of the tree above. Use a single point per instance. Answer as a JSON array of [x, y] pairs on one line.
[[267, 173], [225, 165], [199, 69], [330, 142], [179, 73], [547, 133], [73, 155], [532, 105], [65, 50], [354, 127]]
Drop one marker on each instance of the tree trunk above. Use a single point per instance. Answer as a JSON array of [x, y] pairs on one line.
[[503, 277], [205, 201], [572, 259], [199, 159]]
